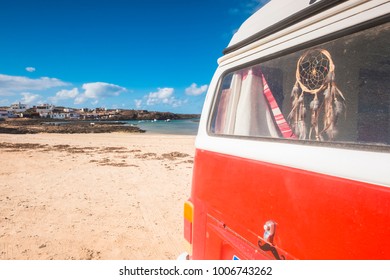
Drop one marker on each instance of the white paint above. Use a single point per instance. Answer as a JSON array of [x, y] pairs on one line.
[[365, 166]]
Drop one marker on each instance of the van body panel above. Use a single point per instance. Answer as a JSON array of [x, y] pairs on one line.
[[267, 196], [318, 216], [343, 17], [320, 159], [275, 16]]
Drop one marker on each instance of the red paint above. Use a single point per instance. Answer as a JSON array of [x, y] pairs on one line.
[[188, 231], [317, 216]]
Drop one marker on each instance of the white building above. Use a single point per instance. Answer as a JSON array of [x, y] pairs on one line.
[[18, 108], [5, 114], [45, 110], [64, 113]]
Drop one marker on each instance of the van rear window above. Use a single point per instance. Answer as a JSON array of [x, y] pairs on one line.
[[337, 91]]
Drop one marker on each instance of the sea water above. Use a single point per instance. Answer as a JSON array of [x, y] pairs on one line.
[[182, 127]]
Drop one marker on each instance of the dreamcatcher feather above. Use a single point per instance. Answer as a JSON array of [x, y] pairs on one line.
[[315, 77]]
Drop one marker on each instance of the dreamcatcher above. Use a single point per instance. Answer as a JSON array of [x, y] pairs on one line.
[[315, 79]]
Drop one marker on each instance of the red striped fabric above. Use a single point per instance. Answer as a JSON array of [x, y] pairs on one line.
[[281, 122]]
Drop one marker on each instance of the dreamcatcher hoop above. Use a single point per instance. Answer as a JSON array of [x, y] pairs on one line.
[[313, 69]]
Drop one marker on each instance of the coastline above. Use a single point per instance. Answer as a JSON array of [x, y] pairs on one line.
[[33, 126], [93, 196]]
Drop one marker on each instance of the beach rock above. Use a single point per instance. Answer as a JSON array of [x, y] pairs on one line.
[[31, 126]]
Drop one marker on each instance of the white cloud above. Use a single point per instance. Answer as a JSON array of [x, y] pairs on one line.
[[98, 90], [30, 69], [195, 90], [64, 94], [162, 95], [177, 103], [30, 98], [138, 103], [13, 84], [80, 99]]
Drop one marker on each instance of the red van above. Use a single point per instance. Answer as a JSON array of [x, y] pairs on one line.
[[293, 150]]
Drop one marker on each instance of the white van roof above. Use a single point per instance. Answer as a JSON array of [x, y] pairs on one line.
[[274, 16]]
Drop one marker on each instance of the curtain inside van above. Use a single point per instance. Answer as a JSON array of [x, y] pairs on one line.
[[253, 117]]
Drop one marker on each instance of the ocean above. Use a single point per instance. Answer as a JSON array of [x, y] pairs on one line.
[[181, 127]]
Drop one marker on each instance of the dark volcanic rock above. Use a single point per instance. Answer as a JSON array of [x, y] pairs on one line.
[[151, 115], [38, 126]]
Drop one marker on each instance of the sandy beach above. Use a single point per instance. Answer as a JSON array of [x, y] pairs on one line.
[[109, 196]]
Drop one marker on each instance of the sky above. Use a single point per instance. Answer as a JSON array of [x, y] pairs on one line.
[[156, 55]]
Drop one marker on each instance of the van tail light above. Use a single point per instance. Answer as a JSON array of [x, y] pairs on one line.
[[188, 223]]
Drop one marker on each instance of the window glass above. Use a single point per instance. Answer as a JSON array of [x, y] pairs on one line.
[[337, 91]]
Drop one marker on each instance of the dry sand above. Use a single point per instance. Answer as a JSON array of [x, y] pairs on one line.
[[110, 196]]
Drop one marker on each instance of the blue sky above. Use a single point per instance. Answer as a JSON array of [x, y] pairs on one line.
[[146, 54]]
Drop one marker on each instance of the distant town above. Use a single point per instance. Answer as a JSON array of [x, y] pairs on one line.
[[49, 111]]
